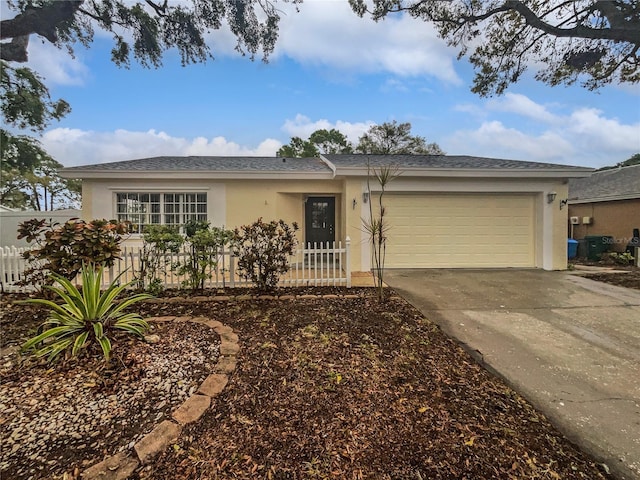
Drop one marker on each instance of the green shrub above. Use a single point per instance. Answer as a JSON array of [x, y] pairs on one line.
[[85, 317], [263, 250], [624, 258], [205, 244], [159, 242], [64, 248]]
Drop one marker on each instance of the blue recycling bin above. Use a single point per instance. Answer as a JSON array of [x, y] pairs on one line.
[[572, 248]]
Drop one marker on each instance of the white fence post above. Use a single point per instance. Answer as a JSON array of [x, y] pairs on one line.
[[348, 261], [12, 267]]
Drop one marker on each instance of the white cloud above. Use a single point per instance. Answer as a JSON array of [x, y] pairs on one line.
[[581, 137], [593, 129], [323, 33], [54, 64], [302, 127], [493, 139], [522, 105], [73, 147], [328, 33], [77, 147]]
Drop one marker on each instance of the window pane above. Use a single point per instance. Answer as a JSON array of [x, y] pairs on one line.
[[175, 209]]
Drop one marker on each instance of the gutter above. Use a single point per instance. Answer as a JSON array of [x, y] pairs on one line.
[[612, 198], [329, 164]]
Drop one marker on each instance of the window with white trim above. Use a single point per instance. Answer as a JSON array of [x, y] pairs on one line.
[[160, 208]]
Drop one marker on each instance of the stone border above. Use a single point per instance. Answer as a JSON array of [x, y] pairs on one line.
[[123, 464]]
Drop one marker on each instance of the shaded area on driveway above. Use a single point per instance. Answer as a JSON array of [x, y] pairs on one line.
[[569, 344]]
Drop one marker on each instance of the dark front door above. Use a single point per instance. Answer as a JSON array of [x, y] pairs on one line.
[[320, 219]]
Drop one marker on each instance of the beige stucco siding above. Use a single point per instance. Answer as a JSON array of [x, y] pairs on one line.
[[248, 200], [558, 230], [232, 203]]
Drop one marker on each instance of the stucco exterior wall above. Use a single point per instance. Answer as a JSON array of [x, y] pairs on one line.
[[230, 203], [247, 200], [615, 218], [559, 220], [236, 202]]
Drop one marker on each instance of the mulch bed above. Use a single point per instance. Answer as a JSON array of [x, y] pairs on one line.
[[629, 279], [625, 275], [355, 388], [57, 421]]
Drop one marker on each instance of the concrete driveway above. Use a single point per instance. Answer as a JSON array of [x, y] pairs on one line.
[[568, 344]]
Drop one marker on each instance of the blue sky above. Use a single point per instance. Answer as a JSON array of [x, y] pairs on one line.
[[330, 69]]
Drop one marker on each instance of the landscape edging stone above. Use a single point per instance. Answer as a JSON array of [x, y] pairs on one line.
[[121, 465]]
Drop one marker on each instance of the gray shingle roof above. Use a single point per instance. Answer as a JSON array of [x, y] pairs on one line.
[[352, 164], [439, 161], [210, 164], [607, 185]]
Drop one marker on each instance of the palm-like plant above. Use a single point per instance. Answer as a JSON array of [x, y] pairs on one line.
[[85, 316]]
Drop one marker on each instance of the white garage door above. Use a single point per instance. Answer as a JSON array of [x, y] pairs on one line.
[[450, 230]]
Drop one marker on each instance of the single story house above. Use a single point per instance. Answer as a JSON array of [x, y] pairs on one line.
[[443, 211], [606, 203]]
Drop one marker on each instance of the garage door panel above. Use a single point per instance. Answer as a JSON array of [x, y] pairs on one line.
[[470, 230]]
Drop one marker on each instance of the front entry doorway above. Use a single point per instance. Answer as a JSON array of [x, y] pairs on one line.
[[320, 220]]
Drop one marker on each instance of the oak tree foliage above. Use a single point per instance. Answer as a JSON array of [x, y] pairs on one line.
[[389, 138], [29, 176], [142, 30], [393, 138], [321, 141], [629, 162], [592, 41]]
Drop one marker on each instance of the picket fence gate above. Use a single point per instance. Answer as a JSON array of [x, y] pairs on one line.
[[317, 264]]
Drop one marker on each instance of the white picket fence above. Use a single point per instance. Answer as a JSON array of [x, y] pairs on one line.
[[313, 265], [12, 266]]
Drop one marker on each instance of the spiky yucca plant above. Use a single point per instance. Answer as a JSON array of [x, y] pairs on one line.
[[85, 316]]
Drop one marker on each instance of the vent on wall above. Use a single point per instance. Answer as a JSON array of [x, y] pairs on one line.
[[587, 220], [574, 220]]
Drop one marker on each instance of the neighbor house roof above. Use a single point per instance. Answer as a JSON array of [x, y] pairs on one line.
[[606, 185], [327, 166], [409, 165]]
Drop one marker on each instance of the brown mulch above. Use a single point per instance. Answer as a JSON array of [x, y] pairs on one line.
[[625, 275], [629, 279], [350, 389]]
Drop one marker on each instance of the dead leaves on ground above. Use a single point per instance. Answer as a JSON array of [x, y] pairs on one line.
[[353, 389]]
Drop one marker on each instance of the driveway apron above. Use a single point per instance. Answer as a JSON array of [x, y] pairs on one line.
[[568, 344]]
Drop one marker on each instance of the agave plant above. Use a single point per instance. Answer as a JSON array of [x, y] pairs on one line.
[[85, 316]]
